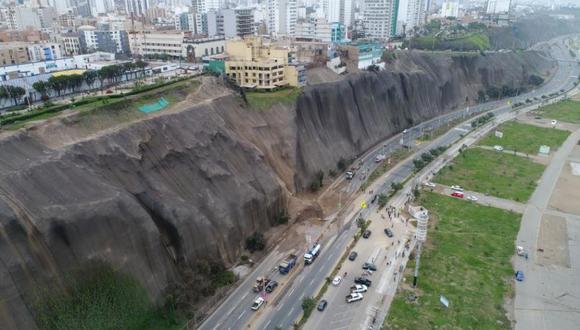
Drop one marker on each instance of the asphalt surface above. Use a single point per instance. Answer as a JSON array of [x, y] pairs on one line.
[[235, 312]]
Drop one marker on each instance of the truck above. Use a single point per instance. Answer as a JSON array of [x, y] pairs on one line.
[[312, 254], [286, 266]]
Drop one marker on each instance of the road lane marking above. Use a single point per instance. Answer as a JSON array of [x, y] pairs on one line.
[[267, 324], [291, 291], [239, 317]]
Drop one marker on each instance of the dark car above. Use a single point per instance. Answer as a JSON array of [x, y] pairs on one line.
[[374, 199], [322, 305], [352, 256], [271, 286], [363, 281], [389, 232], [369, 266], [367, 234]]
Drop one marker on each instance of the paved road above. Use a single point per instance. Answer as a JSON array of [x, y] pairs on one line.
[[234, 313], [483, 199]]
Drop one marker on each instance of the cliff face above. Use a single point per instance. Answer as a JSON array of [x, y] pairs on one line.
[[151, 196], [343, 119]]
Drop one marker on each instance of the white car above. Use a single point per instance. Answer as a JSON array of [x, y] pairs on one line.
[[456, 188], [354, 297], [429, 184], [258, 302], [498, 148], [380, 158], [336, 281], [405, 131], [471, 198], [554, 122], [358, 288]]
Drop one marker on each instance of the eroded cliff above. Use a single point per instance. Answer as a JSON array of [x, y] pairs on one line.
[[155, 194]]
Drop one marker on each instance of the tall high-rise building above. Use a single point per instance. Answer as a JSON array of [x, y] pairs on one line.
[[137, 7], [203, 6], [340, 11], [380, 18], [416, 14], [230, 22], [282, 16], [498, 6]]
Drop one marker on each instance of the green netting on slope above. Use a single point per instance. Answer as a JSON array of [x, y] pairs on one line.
[[162, 103]]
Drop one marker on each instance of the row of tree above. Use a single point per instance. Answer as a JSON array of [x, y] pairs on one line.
[[107, 75]]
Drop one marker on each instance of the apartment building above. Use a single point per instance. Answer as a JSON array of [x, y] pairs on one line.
[[112, 41], [230, 22], [175, 44], [44, 51], [71, 44], [380, 18], [256, 65], [13, 53]]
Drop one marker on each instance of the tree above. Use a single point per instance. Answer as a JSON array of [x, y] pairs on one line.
[[57, 83], [41, 87], [383, 200], [15, 92], [141, 65], [308, 305], [535, 80], [256, 242], [396, 186], [90, 77]]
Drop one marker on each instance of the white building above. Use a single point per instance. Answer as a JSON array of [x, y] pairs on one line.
[[136, 7], [340, 11], [203, 6], [380, 18], [44, 52], [498, 6], [282, 16], [318, 29], [450, 9], [71, 45], [230, 22], [416, 14]]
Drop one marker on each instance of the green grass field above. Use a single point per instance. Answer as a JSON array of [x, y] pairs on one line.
[[467, 260], [567, 111], [526, 138], [498, 174], [265, 100]]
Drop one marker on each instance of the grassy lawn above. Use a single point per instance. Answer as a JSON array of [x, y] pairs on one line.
[[498, 174], [526, 138], [467, 260], [265, 100], [567, 111]]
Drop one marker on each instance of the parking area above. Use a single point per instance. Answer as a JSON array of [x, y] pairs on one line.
[[384, 253]]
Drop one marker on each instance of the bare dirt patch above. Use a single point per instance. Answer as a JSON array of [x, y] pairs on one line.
[[566, 195], [553, 238]]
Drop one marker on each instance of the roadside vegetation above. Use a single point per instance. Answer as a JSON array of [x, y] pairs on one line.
[[567, 111], [491, 172], [120, 107], [265, 100], [467, 260], [101, 298], [525, 138], [427, 157]]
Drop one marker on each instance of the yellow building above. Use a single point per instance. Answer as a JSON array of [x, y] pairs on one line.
[[253, 64]]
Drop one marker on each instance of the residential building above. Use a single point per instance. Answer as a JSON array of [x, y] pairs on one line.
[[187, 22], [450, 9], [13, 53], [498, 6], [44, 51], [380, 18], [416, 14], [196, 48], [152, 43], [112, 41], [320, 29], [256, 65], [203, 6], [361, 55], [282, 16], [230, 22], [72, 44], [340, 11], [136, 7], [22, 18], [337, 32]]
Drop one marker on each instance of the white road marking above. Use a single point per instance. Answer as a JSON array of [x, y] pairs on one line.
[[311, 282], [239, 317], [461, 129], [267, 324], [291, 291]]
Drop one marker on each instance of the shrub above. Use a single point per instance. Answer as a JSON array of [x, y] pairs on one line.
[[383, 200], [282, 218], [256, 242], [341, 164], [308, 305]]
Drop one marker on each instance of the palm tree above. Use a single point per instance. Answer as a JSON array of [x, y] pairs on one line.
[[41, 87], [15, 92], [57, 83], [90, 77]]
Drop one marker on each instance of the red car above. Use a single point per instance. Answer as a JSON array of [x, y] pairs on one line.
[[457, 194]]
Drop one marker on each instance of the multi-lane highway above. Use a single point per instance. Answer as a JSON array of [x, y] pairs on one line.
[[235, 313]]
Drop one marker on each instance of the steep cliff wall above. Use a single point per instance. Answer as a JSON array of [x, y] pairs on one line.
[[343, 119], [155, 194]]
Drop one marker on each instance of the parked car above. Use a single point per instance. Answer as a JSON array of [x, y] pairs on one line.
[[349, 175], [472, 198], [554, 122], [405, 131], [354, 297], [498, 148], [369, 266], [389, 232], [322, 305], [336, 281], [363, 280], [258, 302], [457, 194], [358, 288], [429, 184], [271, 286], [457, 188], [352, 256], [380, 158], [367, 233], [519, 275]]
